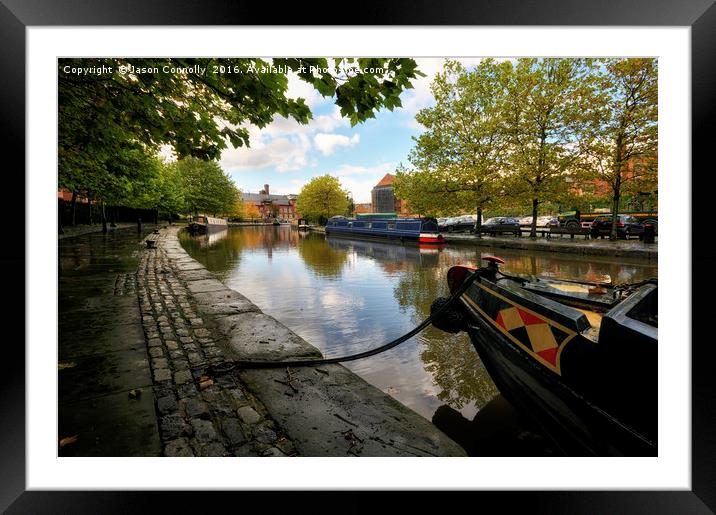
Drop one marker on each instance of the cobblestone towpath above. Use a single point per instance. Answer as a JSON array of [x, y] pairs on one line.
[[143, 330], [198, 415]]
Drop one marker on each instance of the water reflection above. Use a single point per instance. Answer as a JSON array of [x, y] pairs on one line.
[[214, 237], [324, 261], [346, 296]]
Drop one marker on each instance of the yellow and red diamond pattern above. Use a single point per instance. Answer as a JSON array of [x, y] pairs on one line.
[[532, 331]]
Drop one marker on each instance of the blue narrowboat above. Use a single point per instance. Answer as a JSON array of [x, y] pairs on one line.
[[423, 230]]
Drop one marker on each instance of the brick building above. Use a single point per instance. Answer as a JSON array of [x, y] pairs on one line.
[[363, 208], [383, 198], [284, 206]]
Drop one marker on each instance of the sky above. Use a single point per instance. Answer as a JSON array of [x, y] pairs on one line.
[[286, 155]]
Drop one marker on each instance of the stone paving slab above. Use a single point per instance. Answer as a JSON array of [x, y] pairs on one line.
[[197, 275], [96, 375], [100, 319], [85, 341], [81, 304], [218, 303], [205, 285], [254, 335], [329, 411], [110, 425]]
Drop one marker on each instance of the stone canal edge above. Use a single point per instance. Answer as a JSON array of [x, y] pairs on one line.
[[191, 320]]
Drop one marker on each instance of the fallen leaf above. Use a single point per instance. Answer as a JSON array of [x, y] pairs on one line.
[[203, 385], [68, 440], [135, 393], [62, 366]]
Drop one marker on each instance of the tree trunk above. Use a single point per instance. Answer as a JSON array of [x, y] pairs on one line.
[[104, 220], [615, 214], [617, 186], [74, 207], [478, 222], [533, 228]]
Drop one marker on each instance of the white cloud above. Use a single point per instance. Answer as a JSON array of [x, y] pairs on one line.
[[286, 144], [327, 143], [285, 154], [377, 170], [323, 123]]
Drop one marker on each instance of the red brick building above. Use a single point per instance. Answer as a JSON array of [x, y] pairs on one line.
[[282, 207], [384, 200]]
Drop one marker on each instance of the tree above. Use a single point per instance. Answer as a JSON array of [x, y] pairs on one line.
[[544, 115], [111, 107], [322, 198], [160, 190], [621, 146], [207, 189], [459, 158], [250, 211]]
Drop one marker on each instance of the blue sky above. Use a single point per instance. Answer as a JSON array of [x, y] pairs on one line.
[[286, 155]]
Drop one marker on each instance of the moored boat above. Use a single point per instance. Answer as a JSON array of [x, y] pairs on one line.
[[302, 225], [578, 359], [204, 224], [423, 230]]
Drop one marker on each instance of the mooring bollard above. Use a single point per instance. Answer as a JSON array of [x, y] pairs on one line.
[[151, 244]]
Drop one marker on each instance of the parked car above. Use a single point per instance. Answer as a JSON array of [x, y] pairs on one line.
[[501, 225], [542, 221], [461, 223], [627, 226]]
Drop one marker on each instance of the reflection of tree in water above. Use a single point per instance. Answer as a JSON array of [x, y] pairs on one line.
[[223, 254], [322, 259], [449, 358]]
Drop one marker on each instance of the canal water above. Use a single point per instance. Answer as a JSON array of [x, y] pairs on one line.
[[346, 296]]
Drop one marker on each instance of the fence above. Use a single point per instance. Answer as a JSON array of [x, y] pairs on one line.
[[87, 214]]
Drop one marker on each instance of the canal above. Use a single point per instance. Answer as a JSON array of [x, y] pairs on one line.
[[346, 296]]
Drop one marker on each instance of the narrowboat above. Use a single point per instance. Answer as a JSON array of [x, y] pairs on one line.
[[577, 359], [302, 225], [422, 230], [205, 224]]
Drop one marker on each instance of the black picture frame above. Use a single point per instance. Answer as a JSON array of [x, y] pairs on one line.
[[17, 15]]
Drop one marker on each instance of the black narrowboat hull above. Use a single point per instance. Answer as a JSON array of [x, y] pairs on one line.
[[590, 397], [572, 422]]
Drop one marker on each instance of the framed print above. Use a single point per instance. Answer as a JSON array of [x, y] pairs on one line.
[[41, 37]]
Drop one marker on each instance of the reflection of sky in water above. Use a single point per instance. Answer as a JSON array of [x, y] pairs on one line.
[[346, 296]]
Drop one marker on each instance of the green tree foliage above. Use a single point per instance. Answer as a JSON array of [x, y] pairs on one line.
[[124, 106], [459, 158], [322, 198], [620, 143], [544, 116], [206, 188]]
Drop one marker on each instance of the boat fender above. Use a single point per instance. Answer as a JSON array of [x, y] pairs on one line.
[[452, 320]]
